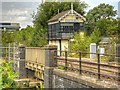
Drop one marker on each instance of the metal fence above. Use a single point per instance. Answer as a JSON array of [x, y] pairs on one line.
[[94, 67], [10, 53]]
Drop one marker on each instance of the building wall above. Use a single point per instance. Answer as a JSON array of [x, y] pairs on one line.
[[64, 45], [10, 26], [71, 18], [119, 9], [55, 42]]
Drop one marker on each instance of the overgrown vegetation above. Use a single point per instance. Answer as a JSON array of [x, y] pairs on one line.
[[82, 42], [7, 75]]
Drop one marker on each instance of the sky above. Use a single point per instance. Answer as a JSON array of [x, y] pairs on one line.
[[20, 11]]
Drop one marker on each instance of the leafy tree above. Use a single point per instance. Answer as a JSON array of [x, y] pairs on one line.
[[112, 28], [95, 37], [7, 37], [102, 11], [25, 35], [107, 27], [39, 38], [8, 75]]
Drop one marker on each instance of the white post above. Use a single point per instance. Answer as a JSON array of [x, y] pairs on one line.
[[14, 51], [101, 51], [14, 55], [72, 7], [92, 50], [9, 52]]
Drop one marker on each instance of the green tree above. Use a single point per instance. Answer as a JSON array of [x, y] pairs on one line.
[[8, 37], [39, 38], [95, 37], [112, 28], [102, 11], [24, 36]]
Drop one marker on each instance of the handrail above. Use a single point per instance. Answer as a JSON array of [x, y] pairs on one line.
[[98, 66]]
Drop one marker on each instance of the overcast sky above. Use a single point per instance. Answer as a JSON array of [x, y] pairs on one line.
[[20, 12]]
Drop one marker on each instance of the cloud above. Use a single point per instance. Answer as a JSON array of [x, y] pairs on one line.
[[18, 12], [21, 18]]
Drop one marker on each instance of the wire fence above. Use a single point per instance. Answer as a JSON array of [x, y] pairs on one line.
[[10, 53]]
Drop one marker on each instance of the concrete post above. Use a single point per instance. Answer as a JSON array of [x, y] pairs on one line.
[[92, 50], [118, 61], [21, 62], [9, 51], [14, 61], [50, 63]]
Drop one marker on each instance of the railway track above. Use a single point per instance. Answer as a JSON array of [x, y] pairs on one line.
[[91, 68]]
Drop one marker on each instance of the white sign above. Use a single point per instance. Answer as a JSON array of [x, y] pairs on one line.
[[101, 51], [92, 50]]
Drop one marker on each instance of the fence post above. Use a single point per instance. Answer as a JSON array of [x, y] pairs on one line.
[[98, 66], [80, 63], [50, 63], [65, 60], [55, 57]]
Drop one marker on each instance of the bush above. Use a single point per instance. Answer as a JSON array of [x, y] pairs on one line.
[[7, 74], [82, 42]]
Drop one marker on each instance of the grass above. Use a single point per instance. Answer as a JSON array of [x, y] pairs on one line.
[[61, 67]]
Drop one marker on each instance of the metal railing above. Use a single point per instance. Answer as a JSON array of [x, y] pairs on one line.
[[9, 53], [95, 68]]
